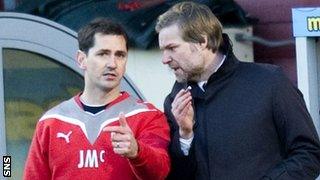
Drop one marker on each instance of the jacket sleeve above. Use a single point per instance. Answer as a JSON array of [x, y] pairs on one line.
[[37, 166], [153, 160], [182, 167], [298, 137]]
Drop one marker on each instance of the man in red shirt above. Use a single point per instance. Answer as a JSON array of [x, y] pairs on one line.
[[101, 133]]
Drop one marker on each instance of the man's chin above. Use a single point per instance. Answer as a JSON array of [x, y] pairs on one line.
[[110, 87], [185, 79], [181, 79]]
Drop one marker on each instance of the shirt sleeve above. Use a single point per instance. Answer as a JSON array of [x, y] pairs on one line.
[[37, 166], [153, 161], [185, 145]]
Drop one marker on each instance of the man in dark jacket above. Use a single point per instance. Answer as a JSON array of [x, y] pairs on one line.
[[230, 119]]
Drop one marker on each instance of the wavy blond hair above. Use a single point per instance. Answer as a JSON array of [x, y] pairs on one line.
[[195, 21]]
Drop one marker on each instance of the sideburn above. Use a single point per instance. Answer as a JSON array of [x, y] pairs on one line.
[[193, 48], [196, 73]]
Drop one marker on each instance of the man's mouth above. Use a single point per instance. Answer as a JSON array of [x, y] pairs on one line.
[[177, 70], [110, 75], [174, 68]]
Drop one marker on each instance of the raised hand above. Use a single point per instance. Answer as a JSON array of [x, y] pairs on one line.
[[122, 139], [183, 112]]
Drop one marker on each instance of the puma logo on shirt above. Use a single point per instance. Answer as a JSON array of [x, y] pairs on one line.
[[65, 136]]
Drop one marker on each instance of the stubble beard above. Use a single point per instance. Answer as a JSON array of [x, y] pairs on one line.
[[193, 76]]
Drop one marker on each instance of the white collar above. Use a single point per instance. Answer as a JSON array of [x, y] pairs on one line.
[[202, 83], [223, 59]]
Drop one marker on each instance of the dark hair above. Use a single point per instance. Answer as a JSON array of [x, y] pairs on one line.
[[194, 21], [100, 25]]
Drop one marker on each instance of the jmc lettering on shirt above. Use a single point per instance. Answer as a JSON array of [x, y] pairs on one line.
[[90, 158]]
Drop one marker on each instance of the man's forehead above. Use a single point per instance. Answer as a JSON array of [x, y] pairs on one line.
[[109, 37], [169, 35], [171, 30], [108, 43], [110, 40]]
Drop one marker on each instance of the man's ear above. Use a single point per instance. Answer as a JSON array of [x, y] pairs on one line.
[[204, 44], [81, 59]]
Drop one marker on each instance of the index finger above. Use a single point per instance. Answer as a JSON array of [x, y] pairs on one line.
[[122, 120], [116, 129], [179, 94]]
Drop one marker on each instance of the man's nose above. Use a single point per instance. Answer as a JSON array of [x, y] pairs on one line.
[[166, 59], [111, 63]]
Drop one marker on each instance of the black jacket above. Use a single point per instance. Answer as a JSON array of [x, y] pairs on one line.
[[251, 123]]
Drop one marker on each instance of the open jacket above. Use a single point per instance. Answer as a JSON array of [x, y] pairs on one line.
[[250, 123]]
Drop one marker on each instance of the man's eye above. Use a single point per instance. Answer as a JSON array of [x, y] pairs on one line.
[[172, 48], [120, 55], [102, 54]]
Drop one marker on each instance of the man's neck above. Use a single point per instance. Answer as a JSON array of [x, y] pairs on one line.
[[99, 97], [213, 63]]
